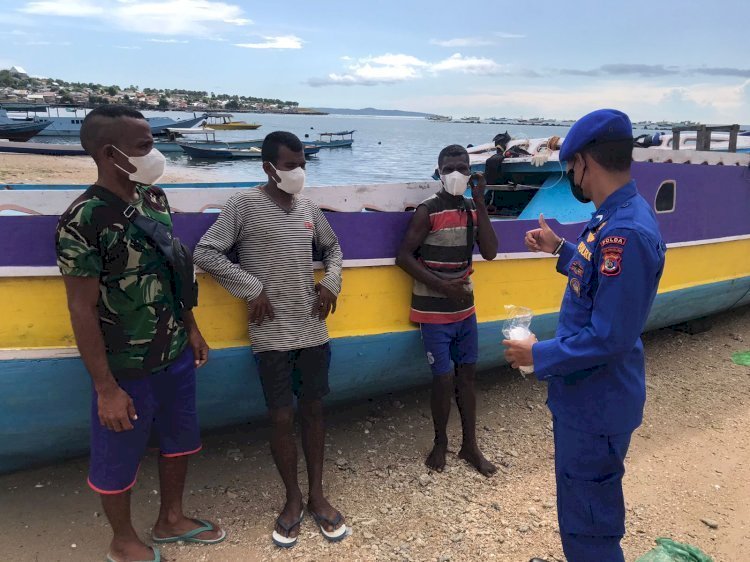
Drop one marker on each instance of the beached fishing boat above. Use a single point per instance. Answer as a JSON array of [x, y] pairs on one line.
[[702, 200], [225, 153], [20, 131], [226, 122], [342, 139]]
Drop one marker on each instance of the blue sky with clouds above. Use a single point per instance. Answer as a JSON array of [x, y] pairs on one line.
[[664, 59]]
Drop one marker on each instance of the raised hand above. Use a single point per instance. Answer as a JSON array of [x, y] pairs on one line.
[[542, 239]]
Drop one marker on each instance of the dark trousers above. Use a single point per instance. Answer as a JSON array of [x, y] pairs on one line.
[[590, 503]]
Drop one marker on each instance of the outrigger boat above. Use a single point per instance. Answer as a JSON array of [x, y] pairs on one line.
[[702, 201], [336, 140]]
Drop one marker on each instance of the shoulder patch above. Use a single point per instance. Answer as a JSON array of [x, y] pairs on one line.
[[613, 241], [612, 261]]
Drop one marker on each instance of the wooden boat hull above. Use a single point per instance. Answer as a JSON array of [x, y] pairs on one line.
[[235, 126], [42, 148], [46, 390], [21, 131], [232, 153]]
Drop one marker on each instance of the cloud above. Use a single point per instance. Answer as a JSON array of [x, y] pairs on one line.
[[706, 102], [504, 35], [468, 65], [391, 68], [159, 17], [170, 41], [279, 42], [656, 71], [67, 8], [723, 71], [462, 42], [645, 70]]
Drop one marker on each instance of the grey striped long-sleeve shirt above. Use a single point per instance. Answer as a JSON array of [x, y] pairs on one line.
[[275, 254]]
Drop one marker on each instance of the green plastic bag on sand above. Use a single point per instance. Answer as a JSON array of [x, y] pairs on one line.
[[673, 551], [742, 358]]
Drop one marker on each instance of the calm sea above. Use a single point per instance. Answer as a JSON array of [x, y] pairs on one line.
[[385, 150]]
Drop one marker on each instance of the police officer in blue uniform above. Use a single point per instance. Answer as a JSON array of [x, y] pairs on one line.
[[594, 367]]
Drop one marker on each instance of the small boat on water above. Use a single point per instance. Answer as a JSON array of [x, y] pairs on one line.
[[197, 151], [226, 122], [48, 149], [13, 130], [46, 390], [177, 136], [341, 139]]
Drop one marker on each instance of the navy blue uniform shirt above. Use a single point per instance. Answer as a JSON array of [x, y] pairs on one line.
[[595, 365]]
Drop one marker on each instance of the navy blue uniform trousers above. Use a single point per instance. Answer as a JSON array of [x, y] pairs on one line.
[[590, 503]]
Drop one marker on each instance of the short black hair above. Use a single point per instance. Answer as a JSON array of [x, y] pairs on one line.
[[96, 129], [272, 142], [452, 150], [613, 156]]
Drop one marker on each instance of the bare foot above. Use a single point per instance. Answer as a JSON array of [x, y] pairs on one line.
[[128, 550], [320, 506], [475, 458], [289, 516], [167, 529], [436, 459]]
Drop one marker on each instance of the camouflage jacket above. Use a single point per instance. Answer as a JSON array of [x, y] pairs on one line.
[[138, 311]]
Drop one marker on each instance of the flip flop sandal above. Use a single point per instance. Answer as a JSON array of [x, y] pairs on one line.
[[286, 541], [190, 536], [156, 558], [339, 533]]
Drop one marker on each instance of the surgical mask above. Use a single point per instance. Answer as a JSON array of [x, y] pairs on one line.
[[148, 169], [576, 188], [292, 181], [455, 183]]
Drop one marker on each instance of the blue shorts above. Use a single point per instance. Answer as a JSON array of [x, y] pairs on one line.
[[457, 342], [165, 405]]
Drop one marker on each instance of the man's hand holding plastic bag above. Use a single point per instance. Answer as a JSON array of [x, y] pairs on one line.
[[519, 339]]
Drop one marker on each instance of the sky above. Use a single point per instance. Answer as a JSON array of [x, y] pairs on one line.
[[665, 59]]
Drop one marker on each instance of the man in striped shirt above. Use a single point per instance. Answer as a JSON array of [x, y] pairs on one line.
[[273, 229], [437, 252]]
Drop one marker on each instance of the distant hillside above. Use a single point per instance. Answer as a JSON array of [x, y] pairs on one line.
[[372, 111]]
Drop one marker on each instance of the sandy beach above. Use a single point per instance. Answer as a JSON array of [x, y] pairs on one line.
[[689, 462], [35, 168]]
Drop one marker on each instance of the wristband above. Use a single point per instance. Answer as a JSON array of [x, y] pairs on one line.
[[559, 247]]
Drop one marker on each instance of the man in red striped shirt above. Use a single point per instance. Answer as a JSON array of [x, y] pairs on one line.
[[437, 252]]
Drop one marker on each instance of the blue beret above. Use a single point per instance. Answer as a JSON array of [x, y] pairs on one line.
[[598, 126]]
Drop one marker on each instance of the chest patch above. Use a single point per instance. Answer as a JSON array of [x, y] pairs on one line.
[[584, 251]]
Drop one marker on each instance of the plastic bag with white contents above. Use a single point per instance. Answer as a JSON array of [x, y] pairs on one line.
[[518, 327]]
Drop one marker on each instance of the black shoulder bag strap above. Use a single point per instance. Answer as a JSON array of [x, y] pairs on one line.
[[178, 255]]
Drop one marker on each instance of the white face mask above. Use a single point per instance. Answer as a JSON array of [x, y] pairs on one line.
[[455, 183], [292, 181], [148, 169]]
